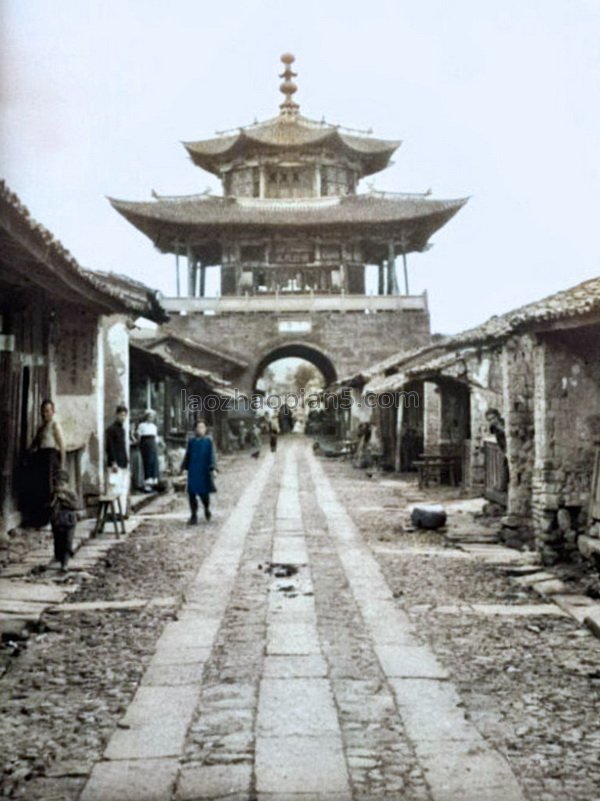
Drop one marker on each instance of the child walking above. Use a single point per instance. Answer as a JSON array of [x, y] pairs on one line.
[[63, 518]]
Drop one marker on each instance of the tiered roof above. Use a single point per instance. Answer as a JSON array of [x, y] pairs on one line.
[[171, 221], [291, 132], [166, 220]]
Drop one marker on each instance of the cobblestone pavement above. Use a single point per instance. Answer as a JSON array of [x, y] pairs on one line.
[[305, 645]]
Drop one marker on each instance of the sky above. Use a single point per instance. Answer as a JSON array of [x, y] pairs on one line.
[[499, 102]]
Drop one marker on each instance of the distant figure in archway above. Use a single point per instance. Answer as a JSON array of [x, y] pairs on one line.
[[273, 434], [286, 419]]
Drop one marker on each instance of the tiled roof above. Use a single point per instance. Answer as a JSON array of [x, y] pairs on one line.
[[163, 218], [136, 294], [573, 302], [397, 359], [104, 291], [576, 302], [219, 385], [284, 132], [166, 335]]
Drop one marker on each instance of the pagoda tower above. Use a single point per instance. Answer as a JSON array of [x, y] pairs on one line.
[[290, 233]]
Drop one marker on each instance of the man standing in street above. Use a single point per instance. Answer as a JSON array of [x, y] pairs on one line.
[[200, 463], [117, 458]]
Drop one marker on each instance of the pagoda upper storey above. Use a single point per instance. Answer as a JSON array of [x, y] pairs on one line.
[[291, 156], [290, 218]]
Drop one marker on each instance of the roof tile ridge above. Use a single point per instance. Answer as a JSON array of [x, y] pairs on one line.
[[55, 248]]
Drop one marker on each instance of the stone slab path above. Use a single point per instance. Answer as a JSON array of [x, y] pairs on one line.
[[292, 672]]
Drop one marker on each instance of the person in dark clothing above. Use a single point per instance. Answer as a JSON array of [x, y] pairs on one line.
[[147, 433], [117, 457], [47, 456], [273, 434], [63, 518], [497, 427], [200, 463], [255, 441]]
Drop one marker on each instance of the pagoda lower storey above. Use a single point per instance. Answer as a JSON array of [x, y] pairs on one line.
[[318, 266]]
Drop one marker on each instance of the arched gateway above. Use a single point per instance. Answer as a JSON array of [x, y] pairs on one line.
[[299, 350], [292, 240]]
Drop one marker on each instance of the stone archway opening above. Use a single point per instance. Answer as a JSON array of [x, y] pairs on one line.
[[292, 378], [299, 353]]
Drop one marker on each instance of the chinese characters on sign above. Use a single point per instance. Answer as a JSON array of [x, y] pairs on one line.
[[76, 353]]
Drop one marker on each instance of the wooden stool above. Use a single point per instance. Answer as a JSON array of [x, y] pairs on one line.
[[109, 504]]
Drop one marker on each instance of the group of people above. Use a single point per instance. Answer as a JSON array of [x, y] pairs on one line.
[[50, 498], [251, 435]]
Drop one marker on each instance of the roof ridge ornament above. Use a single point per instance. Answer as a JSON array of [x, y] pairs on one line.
[[289, 108]]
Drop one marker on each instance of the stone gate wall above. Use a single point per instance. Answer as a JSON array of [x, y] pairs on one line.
[[350, 340]]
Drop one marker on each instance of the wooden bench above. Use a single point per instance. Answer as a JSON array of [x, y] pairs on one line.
[[109, 505]]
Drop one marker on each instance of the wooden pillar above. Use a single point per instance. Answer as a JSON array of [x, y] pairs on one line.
[[202, 280], [262, 184], [406, 290], [177, 276], [381, 283], [191, 273], [392, 277], [317, 180]]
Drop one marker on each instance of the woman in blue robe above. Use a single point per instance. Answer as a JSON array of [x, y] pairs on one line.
[[200, 463]]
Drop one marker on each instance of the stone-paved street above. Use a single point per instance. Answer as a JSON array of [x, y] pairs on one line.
[[306, 644]]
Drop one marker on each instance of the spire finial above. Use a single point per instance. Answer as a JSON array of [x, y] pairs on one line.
[[288, 87]]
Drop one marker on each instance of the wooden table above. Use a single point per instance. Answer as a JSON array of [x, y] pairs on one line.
[[432, 467]]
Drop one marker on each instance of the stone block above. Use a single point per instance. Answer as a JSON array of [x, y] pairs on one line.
[[200, 782], [174, 675], [292, 638], [588, 546], [296, 707], [458, 770], [550, 587], [34, 592], [592, 620], [301, 765], [432, 710], [132, 780], [294, 667], [410, 661], [155, 723]]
